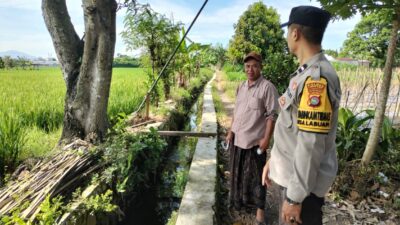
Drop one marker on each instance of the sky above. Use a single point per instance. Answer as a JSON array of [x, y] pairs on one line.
[[22, 27]]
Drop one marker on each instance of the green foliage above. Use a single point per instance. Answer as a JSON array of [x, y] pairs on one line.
[[50, 210], [331, 52], [353, 132], [229, 67], [12, 140], [100, 203], [214, 55], [258, 29], [369, 39], [180, 182], [352, 135], [1, 63], [9, 63], [125, 61], [347, 9], [120, 124], [344, 66], [133, 159], [158, 35], [14, 219]]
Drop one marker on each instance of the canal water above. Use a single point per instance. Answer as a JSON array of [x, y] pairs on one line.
[[159, 204]]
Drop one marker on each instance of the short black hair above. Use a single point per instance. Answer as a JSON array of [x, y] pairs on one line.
[[311, 34]]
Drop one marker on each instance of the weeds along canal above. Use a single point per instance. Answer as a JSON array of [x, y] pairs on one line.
[[159, 203]]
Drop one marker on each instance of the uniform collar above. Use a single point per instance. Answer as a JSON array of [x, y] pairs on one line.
[[255, 83], [316, 58]]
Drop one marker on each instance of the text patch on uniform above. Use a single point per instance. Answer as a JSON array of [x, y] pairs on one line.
[[315, 109]]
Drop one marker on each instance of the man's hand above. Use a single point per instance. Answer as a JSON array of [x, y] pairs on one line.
[[265, 175], [291, 213], [263, 144]]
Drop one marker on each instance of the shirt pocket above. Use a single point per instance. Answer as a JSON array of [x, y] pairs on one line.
[[255, 103]]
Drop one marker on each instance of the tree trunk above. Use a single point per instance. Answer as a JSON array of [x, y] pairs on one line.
[[86, 65], [167, 84], [376, 130]]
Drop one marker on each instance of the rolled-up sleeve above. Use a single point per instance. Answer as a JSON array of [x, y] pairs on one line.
[[271, 102]]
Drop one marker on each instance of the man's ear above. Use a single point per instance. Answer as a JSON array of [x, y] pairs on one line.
[[295, 33]]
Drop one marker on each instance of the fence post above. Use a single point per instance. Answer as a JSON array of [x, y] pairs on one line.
[[147, 107]]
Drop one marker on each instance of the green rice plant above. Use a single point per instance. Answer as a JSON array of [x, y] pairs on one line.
[[37, 98], [12, 140], [39, 143]]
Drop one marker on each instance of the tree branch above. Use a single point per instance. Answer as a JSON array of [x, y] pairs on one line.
[[66, 41]]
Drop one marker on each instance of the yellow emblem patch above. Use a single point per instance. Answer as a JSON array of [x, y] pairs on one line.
[[315, 109]]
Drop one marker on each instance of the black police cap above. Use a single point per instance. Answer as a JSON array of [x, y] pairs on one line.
[[309, 16]]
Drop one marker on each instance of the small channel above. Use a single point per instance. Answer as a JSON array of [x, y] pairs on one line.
[[159, 204]]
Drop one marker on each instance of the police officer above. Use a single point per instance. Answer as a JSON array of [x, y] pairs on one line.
[[303, 159]]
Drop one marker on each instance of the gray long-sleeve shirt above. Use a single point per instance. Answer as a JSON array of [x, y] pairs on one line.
[[303, 157]]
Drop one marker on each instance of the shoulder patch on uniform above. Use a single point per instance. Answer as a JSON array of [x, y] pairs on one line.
[[315, 110]]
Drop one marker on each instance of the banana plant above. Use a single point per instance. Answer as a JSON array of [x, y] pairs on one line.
[[188, 60]]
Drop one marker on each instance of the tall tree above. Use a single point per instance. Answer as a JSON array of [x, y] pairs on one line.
[[216, 55], [331, 52], [369, 39], [86, 64], [8, 62], [346, 9], [156, 34], [1, 63], [258, 29]]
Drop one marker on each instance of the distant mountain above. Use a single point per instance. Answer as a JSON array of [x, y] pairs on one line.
[[15, 54]]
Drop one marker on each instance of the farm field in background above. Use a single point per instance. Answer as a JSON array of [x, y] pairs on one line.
[[360, 88], [36, 99]]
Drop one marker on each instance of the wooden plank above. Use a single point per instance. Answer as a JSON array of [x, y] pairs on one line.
[[144, 123], [183, 133]]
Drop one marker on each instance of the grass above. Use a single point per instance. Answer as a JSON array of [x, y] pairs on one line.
[[36, 99], [230, 81]]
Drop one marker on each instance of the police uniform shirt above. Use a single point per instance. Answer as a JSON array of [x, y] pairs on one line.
[[303, 157]]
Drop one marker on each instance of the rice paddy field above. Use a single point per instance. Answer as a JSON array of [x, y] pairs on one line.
[[33, 100]]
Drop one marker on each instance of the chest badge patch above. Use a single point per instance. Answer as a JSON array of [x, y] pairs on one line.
[[315, 89], [314, 101]]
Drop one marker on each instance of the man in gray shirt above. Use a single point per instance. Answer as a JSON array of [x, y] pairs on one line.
[[303, 159], [252, 127]]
